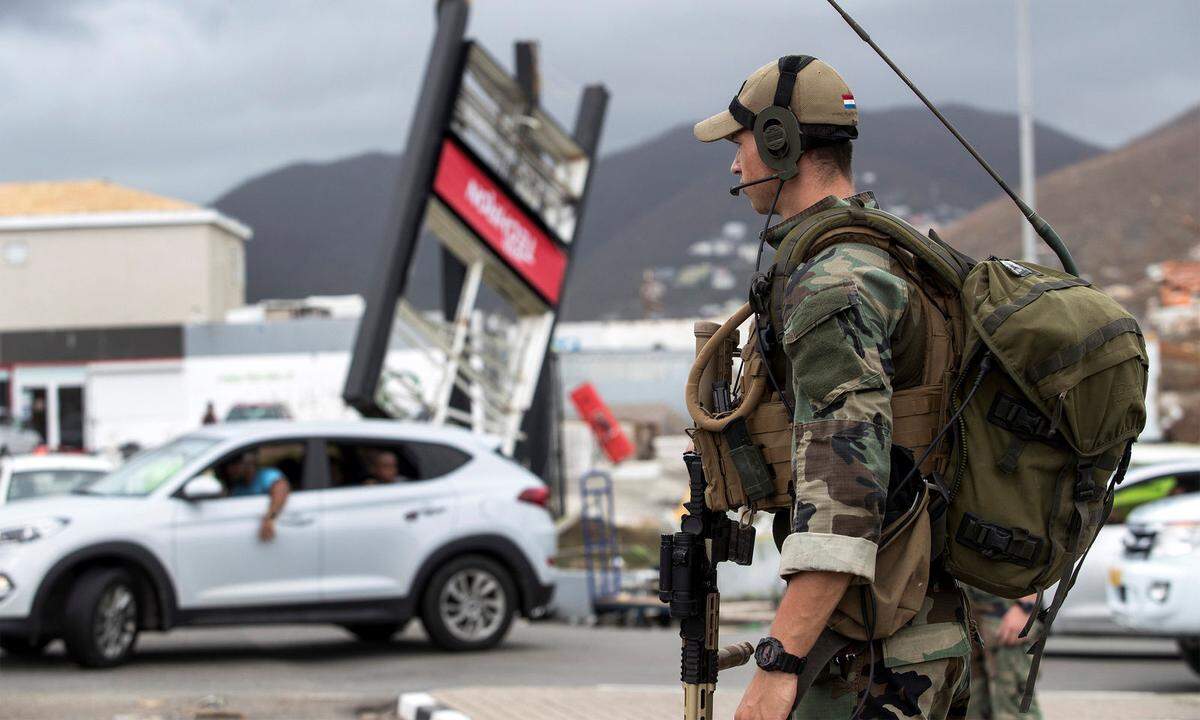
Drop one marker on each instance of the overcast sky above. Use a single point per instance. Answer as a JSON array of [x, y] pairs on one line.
[[189, 97]]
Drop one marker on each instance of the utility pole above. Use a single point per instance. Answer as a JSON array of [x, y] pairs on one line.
[[1025, 111]]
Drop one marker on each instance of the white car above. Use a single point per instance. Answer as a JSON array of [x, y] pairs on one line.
[[460, 538], [24, 477], [1153, 588], [1086, 609]]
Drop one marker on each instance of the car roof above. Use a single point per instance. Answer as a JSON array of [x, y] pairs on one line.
[[57, 461], [1167, 468], [1169, 509], [1146, 453], [382, 429]]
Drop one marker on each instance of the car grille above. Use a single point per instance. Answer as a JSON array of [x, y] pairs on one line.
[[1138, 541]]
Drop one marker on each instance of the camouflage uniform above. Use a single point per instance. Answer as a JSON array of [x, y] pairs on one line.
[[842, 385], [998, 672]]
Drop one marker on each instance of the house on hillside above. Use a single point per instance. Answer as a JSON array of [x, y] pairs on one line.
[[1174, 316], [1177, 310]]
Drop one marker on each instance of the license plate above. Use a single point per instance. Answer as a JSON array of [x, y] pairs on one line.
[[1114, 577]]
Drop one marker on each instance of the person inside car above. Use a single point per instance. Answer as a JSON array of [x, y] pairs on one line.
[[382, 468], [242, 476]]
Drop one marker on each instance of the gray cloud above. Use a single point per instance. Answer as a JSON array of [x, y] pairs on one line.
[[190, 98], [39, 16]]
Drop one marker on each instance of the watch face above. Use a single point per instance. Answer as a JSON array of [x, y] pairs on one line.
[[767, 653]]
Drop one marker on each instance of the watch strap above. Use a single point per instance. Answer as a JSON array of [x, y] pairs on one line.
[[789, 663]]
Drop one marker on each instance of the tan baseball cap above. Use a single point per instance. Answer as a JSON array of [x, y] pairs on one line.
[[818, 96]]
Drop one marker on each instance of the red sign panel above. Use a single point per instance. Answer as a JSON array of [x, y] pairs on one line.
[[604, 425], [488, 210]]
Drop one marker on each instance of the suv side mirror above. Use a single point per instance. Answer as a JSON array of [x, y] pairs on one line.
[[203, 487]]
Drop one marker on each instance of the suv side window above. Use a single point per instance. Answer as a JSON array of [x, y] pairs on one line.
[[1149, 490], [250, 470], [371, 462]]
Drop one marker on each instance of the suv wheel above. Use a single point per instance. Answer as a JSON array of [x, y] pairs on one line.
[[375, 632], [100, 625], [22, 647], [469, 604], [1190, 649]]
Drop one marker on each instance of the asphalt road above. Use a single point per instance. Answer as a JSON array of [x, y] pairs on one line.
[[303, 672]]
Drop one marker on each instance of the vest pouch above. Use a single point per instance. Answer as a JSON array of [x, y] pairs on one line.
[[768, 451], [901, 578], [754, 475]]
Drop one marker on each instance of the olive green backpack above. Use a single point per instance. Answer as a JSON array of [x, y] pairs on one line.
[[1042, 408]]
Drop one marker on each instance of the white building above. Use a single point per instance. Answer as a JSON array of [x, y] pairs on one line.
[[95, 272]]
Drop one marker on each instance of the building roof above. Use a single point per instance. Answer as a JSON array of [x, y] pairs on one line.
[[99, 203], [72, 197]]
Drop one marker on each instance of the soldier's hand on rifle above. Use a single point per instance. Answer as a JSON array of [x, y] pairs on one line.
[[769, 697]]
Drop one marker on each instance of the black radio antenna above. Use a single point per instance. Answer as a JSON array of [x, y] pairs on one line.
[[1040, 226]]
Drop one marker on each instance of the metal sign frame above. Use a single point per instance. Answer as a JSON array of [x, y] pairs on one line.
[[514, 233]]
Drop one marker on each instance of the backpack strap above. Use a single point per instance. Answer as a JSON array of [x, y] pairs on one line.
[[1088, 522]]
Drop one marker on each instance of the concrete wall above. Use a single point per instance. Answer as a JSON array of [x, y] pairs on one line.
[[138, 275]]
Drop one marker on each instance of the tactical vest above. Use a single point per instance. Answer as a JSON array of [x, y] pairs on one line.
[[1027, 384], [926, 349]]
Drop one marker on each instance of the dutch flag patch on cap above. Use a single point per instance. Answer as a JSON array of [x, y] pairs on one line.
[[848, 102]]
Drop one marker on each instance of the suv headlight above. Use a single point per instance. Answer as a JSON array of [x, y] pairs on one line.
[[33, 530], [1176, 539]]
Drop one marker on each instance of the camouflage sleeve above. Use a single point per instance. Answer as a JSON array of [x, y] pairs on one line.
[[841, 309]]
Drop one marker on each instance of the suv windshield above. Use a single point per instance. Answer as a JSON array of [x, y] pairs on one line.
[[146, 472], [28, 484], [257, 412]]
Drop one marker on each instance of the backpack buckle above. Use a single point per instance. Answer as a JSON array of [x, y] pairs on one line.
[[996, 542], [760, 304], [1085, 486], [1015, 416]]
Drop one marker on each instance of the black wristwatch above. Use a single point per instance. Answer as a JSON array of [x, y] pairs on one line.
[[771, 657]]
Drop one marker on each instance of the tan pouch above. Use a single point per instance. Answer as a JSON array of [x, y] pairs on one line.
[[767, 423], [901, 578]]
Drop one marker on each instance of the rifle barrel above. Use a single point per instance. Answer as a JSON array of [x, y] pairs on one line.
[[732, 656]]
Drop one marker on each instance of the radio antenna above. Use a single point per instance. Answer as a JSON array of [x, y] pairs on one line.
[[1040, 226]]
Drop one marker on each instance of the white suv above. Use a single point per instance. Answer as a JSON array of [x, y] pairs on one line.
[[461, 538], [1153, 588]]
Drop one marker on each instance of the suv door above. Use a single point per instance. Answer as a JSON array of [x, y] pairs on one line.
[[220, 560], [377, 532]]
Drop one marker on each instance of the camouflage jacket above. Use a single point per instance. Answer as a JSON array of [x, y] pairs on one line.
[[841, 372]]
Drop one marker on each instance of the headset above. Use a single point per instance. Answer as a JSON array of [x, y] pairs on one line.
[[776, 128]]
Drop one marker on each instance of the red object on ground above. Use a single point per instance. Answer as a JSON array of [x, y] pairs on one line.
[[604, 425]]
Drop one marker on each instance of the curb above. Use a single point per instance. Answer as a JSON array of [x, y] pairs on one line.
[[423, 706]]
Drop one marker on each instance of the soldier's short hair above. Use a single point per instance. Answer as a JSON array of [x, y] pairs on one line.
[[835, 159], [832, 155]]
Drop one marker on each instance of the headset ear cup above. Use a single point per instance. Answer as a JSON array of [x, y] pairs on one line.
[[777, 134], [775, 139]]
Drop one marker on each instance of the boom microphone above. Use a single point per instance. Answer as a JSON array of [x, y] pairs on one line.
[[738, 188]]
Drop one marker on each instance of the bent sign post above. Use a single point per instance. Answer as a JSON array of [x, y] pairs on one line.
[[502, 188]]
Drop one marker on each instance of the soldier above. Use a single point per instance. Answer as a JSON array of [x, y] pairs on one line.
[[842, 363], [1000, 666]]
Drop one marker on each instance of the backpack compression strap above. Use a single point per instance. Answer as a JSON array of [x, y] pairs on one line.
[[1074, 565]]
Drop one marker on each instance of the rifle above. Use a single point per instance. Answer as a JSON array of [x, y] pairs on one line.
[[688, 584]]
